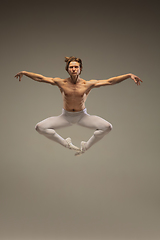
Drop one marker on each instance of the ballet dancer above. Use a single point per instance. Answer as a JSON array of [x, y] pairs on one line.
[[75, 91]]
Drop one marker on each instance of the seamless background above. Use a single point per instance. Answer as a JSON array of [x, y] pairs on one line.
[[112, 191]]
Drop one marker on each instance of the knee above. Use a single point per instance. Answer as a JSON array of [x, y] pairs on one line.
[[99, 133], [45, 131], [108, 128], [38, 128]]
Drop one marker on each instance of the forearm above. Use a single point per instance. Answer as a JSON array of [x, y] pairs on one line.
[[34, 76], [114, 80], [118, 79]]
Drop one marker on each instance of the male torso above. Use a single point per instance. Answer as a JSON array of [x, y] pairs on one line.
[[74, 94]]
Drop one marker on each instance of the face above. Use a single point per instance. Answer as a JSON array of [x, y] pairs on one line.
[[74, 69]]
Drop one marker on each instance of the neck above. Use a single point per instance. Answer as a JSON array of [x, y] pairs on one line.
[[74, 79]]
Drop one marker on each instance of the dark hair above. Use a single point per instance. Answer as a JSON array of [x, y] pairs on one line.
[[73, 59]]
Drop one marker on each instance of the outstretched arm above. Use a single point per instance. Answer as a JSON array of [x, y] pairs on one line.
[[118, 79], [35, 76]]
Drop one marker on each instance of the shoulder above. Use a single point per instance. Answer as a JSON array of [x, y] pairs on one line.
[[82, 81], [59, 81], [92, 83], [89, 83]]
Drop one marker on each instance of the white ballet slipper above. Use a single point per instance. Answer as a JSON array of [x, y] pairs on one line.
[[71, 146], [82, 150]]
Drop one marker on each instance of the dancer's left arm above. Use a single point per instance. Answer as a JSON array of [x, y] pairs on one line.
[[118, 79]]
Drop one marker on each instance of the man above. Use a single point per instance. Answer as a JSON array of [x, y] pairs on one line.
[[74, 91]]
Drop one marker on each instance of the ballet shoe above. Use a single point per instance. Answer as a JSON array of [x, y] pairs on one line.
[[71, 146], [82, 150]]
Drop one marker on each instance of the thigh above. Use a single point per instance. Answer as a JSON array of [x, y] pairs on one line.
[[93, 122], [54, 122]]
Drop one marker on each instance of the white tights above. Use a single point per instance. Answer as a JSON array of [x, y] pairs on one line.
[[48, 126]]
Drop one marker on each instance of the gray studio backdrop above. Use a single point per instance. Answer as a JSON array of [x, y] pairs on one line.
[[112, 191]]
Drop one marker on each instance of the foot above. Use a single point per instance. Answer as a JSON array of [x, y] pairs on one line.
[[70, 145], [82, 150]]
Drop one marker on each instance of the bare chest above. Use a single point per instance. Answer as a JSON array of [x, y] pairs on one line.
[[74, 90]]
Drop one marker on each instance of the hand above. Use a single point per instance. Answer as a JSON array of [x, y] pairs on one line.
[[136, 79], [19, 75]]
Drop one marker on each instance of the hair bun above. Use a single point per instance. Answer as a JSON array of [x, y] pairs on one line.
[[66, 59]]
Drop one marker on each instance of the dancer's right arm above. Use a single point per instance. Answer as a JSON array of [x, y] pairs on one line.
[[35, 76]]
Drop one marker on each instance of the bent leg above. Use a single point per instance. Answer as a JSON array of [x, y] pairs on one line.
[[47, 128], [101, 126]]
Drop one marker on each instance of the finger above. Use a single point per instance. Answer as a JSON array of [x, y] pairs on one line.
[[140, 81], [16, 75]]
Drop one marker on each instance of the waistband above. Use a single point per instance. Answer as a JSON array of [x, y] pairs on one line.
[[74, 113]]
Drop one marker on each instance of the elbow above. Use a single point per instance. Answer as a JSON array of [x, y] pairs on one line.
[[110, 82], [39, 79]]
